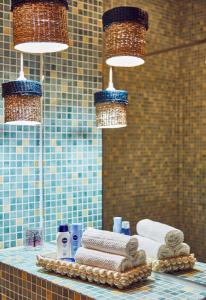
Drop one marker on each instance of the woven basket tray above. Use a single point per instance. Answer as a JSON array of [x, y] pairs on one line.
[[93, 274], [174, 264]]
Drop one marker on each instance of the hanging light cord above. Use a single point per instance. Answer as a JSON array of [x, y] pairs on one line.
[[41, 185], [111, 85], [21, 73]]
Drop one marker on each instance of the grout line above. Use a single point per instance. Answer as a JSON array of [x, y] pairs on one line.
[[41, 200], [180, 280], [183, 46]]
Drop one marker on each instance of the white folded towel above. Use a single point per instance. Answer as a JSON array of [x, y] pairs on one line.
[[139, 258], [159, 232], [182, 249], [153, 249], [103, 260], [111, 242]]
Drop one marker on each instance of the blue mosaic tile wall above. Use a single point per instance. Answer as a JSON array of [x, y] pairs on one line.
[[71, 144]]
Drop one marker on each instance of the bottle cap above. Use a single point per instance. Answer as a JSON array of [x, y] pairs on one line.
[[76, 226], [125, 224], [63, 228], [117, 219]]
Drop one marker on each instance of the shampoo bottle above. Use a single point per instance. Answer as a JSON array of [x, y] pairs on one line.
[[126, 228], [117, 225], [76, 236], [63, 242]]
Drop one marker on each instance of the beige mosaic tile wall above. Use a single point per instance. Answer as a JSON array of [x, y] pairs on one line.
[[140, 162], [193, 115], [156, 167]]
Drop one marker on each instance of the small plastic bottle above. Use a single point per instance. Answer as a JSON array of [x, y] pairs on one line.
[[76, 236], [126, 228], [117, 225], [63, 242]]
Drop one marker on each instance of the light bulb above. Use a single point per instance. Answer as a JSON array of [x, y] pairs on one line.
[[23, 123], [125, 61], [41, 47]]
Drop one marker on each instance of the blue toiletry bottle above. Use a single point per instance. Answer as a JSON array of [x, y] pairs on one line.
[[126, 228], [76, 236], [117, 225]]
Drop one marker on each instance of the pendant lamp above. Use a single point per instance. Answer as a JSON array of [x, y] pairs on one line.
[[125, 36], [22, 100], [40, 26], [111, 107]]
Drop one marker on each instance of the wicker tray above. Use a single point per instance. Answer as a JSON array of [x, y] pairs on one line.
[[174, 264], [91, 274]]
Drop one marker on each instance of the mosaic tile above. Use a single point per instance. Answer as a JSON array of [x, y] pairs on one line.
[[157, 288], [197, 275], [155, 168], [140, 162], [72, 145]]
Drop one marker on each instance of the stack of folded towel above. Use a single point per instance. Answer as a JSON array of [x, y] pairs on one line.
[[109, 250], [161, 241]]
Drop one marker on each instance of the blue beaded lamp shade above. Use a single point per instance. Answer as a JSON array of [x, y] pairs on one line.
[[125, 36], [111, 107], [40, 26], [22, 102]]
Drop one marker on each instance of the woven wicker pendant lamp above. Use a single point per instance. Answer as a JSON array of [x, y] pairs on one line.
[[40, 26], [111, 107], [22, 100], [124, 36]]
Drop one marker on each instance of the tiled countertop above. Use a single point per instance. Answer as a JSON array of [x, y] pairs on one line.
[[197, 275], [158, 287]]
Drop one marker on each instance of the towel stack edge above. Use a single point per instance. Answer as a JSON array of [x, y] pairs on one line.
[[109, 250], [161, 241]]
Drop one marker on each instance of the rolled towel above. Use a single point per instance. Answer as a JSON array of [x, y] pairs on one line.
[[139, 258], [102, 260], [159, 232], [153, 249], [182, 249], [111, 242]]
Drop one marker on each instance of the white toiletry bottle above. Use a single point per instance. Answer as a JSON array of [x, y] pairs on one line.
[[63, 242], [117, 224]]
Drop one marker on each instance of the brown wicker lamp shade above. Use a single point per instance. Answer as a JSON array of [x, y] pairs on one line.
[[111, 115], [125, 36], [111, 108], [22, 102], [40, 26]]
